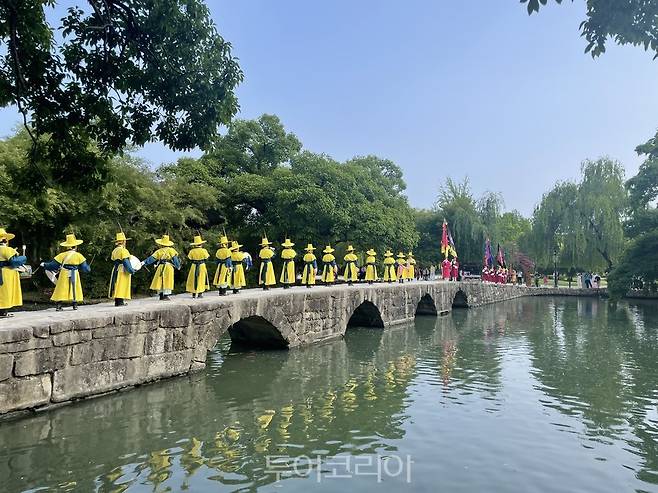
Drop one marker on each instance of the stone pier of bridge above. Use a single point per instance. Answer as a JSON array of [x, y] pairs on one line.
[[48, 358]]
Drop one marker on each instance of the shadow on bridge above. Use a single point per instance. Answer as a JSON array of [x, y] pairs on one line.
[[256, 332]]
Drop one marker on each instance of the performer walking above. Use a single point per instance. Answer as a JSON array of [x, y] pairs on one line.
[[371, 266], [389, 267], [197, 279], [329, 266], [68, 264], [454, 274], [266, 277], [122, 271], [402, 267], [222, 278], [288, 271], [241, 263], [310, 266], [10, 281], [446, 269], [351, 269], [411, 266], [166, 259]]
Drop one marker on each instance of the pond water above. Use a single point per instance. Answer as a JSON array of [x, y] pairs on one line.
[[536, 394]]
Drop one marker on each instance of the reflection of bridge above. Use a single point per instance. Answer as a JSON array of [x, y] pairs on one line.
[[48, 357]]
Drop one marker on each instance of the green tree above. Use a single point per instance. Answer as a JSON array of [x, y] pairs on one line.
[[624, 21], [265, 183], [638, 264], [457, 205], [123, 72], [582, 221]]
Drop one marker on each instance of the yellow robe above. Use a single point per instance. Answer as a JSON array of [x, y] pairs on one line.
[[288, 270], [371, 268], [223, 272], [351, 270], [308, 276], [123, 278], [389, 269], [198, 256], [63, 289], [10, 291], [266, 273], [163, 279], [238, 280], [411, 268], [328, 271]]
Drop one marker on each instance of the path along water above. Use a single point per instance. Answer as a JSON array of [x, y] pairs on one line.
[[535, 394]]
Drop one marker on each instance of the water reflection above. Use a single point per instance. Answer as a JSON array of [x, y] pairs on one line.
[[488, 398]]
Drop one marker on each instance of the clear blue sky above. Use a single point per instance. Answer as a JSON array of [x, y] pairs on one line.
[[442, 88]]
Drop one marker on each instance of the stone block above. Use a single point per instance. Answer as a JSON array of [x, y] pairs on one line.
[[110, 348], [6, 365], [72, 337], [42, 331], [99, 377], [93, 322], [175, 317], [15, 334], [41, 361], [112, 331], [24, 393], [20, 346]]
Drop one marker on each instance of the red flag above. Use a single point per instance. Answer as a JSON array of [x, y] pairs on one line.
[[445, 246]]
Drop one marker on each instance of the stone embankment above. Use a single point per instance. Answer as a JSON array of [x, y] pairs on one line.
[[48, 357]]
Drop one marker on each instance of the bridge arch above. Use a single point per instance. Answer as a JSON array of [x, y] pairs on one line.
[[460, 300], [366, 315], [257, 332], [426, 305]]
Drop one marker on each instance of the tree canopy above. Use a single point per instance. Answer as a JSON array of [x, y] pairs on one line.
[[624, 21], [114, 73]]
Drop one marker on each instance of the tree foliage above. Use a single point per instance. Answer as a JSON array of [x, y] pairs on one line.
[[123, 72], [624, 21], [582, 221], [268, 184], [638, 266]]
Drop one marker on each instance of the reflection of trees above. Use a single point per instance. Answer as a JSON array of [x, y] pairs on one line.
[[222, 424], [598, 361]]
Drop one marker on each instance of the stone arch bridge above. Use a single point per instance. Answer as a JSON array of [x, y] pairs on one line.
[[50, 357]]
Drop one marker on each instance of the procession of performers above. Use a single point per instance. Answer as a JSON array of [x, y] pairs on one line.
[[230, 267]]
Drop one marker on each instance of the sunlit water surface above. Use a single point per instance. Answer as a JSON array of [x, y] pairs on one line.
[[550, 395]]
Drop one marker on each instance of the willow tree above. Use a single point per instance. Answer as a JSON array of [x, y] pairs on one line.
[[582, 222]]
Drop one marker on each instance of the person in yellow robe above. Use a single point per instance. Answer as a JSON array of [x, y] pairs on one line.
[[310, 266], [224, 266], [69, 264], [241, 263], [371, 266], [411, 267], [166, 259], [10, 281], [122, 271], [351, 269], [266, 277], [328, 265], [197, 279], [288, 270], [402, 267], [389, 267]]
